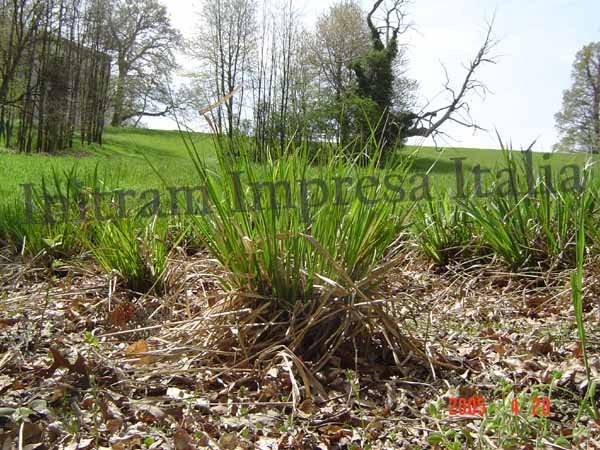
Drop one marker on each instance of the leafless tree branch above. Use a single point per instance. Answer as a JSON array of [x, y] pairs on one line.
[[428, 124]]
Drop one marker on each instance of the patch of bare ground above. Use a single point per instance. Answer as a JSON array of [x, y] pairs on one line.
[[86, 364]]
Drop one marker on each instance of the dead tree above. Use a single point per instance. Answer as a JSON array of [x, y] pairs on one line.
[[375, 78], [429, 123]]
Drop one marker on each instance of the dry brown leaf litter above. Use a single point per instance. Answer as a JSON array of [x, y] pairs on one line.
[[99, 367]]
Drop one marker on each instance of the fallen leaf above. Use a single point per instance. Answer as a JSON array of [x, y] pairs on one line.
[[566, 431], [499, 348], [576, 349], [335, 432], [5, 382], [202, 439], [122, 314], [228, 441], [150, 413], [113, 425], [307, 408], [541, 348], [137, 347], [532, 365], [80, 366], [182, 440], [178, 394], [7, 322], [375, 425], [32, 432], [40, 406], [61, 362], [84, 444]]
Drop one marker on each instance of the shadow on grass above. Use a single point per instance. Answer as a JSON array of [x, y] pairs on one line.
[[441, 166]]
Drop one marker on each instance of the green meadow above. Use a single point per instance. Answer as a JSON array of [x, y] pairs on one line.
[[123, 158], [131, 158]]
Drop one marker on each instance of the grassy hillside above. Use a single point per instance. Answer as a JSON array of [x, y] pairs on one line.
[[122, 159]]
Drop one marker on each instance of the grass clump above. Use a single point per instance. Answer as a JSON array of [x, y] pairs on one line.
[[135, 249], [48, 224], [589, 401], [531, 222], [304, 245], [281, 227], [444, 231]]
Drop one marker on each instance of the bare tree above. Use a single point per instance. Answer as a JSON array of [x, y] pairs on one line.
[[341, 37], [143, 39], [457, 110], [375, 71], [19, 21], [55, 73], [224, 45], [279, 77]]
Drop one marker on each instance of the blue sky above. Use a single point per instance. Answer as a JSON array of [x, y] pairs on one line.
[[538, 40]]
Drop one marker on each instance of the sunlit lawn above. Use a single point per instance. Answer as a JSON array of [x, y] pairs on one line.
[[124, 159]]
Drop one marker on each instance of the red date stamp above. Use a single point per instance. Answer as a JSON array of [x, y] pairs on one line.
[[476, 406], [541, 406], [471, 406]]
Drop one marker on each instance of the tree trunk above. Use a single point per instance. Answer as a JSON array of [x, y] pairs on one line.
[[119, 95], [596, 111]]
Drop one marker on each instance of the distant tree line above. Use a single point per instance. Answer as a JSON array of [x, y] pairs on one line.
[[55, 74], [70, 67], [342, 81], [56, 62]]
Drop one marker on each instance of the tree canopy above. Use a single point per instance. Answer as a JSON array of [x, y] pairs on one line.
[[143, 40], [578, 122]]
